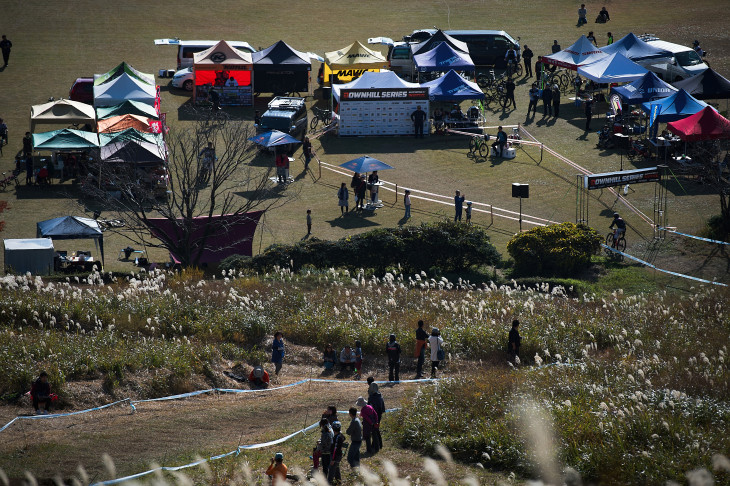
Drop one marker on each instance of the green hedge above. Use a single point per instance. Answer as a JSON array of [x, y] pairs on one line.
[[559, 249]]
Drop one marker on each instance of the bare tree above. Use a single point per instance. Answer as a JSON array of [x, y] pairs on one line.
[[197, 188], [713, 156]]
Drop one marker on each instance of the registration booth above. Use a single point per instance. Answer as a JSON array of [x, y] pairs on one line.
[[281, 69], [212, 69], [349, 63], [379, 104]]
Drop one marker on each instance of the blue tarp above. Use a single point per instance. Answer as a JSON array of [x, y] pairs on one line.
[[647, 88], [615, 68], [635, 48], [453, 87], [680, 105], [442, 58]]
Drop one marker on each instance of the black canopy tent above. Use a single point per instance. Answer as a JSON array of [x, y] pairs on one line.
[[280, 68], [708, 85]]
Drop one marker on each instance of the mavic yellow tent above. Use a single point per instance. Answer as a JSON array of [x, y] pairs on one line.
[[351, 62]]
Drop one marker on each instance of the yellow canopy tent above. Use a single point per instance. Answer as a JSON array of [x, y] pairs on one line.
[[349, 63]]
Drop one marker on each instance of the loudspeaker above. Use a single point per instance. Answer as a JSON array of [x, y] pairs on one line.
[[521, 190]]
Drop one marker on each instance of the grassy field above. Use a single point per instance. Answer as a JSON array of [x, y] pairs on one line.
[[90, 37]]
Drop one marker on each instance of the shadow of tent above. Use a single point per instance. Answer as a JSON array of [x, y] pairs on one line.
[[189, 112], [52, 191], [351, 221]]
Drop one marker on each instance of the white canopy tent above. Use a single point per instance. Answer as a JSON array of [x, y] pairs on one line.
[[373, 80], [34, 255]]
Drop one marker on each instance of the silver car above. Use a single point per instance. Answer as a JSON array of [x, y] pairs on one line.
[[183, 79]]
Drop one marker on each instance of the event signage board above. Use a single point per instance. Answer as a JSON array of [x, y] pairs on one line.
[[612, 179], [380, 111]]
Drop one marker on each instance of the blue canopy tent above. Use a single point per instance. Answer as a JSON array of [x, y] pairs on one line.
[[680, 105], [615, 68], [72, 228], [65, 139], [635, 49], [365, 164], [647, 88], [274, 138], [442, 58], [452, 87]]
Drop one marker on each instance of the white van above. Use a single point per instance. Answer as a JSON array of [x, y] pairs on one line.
[[187, 48], [684, 62]]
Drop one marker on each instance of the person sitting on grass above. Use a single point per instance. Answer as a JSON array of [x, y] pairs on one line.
[[277, 469], [40, 392], [259, 378], [329, 357], [347, 358]]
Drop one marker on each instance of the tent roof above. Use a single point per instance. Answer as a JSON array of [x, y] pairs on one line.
[[123, 68], [127, 107], [438, 38], [374, 80], [65, 111], [707, 85], [615, 68], [706, 124], [675, 107], [124, 87], [281, 53], [122, 122], [133, 151], [29, 244], [451, 86], [222, 53], [582, 52], [443, 57], [69, 227], [65, 139], [646, 88], [130, 134], [355, 54], [635, 49]]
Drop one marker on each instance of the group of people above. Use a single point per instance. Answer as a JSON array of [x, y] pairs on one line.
[[550, 96], [349, 358], [602, 17], [459, 199], [360, 185]]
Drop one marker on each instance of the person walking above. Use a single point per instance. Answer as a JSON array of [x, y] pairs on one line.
[[309, 222], [582, 13], [392, 349], [407, 204], [354, 430], [510, 91], [420, 353], [589, 112], [418, 117], [458, 206], [277, 351], [534, 94], [527, 56], [5, 46], [514, 341], [610, 39], [547, 101], [343, 196], [556, 100], [437, 353]]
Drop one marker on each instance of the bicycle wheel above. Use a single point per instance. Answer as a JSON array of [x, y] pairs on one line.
[[518, 69], [483, 149], [473, 144], [313, 124], [294, 94], [609, 239], [621, 244], [483, 81]]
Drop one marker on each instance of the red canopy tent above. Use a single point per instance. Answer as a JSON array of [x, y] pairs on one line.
[[706, 124], [216, 65]]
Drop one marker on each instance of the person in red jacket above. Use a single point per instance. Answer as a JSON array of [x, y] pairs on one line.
[[369, 424], [259, 378], [282, 160]]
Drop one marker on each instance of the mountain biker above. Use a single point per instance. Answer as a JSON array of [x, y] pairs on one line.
[[620, 228], [512, 57]]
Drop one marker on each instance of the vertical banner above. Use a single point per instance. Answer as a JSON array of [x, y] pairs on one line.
[[656, 108]]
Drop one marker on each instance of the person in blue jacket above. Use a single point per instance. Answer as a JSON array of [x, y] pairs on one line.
[[277, 353]]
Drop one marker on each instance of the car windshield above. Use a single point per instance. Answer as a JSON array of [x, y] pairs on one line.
[[275, 123], [688, 58], [401, 53]]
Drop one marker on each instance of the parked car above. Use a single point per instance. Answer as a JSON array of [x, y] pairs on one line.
[[286, 114], [82, 90], [183, 79], [683, 63]]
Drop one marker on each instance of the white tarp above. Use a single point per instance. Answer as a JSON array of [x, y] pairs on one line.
[[34, 255]]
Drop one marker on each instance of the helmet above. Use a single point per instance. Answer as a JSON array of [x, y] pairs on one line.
[[278, 456], [696, 42], [615, 215], [336, 425]]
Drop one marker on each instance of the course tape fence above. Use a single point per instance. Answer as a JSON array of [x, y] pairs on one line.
[[717, 242], [234, 452], [650, 265], [196, 393]]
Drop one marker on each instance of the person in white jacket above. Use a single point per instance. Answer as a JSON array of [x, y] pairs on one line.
[[436, 342]]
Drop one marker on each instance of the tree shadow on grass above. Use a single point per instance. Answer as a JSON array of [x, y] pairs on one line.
[[52, 191]]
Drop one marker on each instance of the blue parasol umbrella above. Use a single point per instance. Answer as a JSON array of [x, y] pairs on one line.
[[274, 138], [365, 164]]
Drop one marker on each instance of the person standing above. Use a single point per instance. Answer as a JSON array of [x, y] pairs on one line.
[[582, 13], [369, 424], [534, 98], [458, 206], [468, 212], [407, 204], [556, 47], [309, 222], [277, 351], [354, 430], [361, 188], [437, 354], [277, 469], [527, 55], [358, 360], [27, 144], [589, 112], [421, 338], [373, 179], [40, 393], [556, 100], [334, 475], [324, 446], [592, 38], [343, 196], [29, 169], [375, 400], [3, 133], [418, 117], [510, 91], [610, 39], [307, 150], [5, 46], [514, 340], [547, 101], [392, 349]]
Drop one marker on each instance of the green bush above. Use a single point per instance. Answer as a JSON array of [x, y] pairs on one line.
[[559, 249], [445, 245]]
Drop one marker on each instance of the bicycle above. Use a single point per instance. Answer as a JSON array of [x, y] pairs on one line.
[[615, 243], [478, 143], [320, 115], [514, 68]]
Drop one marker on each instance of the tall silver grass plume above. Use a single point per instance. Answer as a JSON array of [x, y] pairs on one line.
[[719, 463], [445, 454], [157, 478], [58, 480], [206, 468], [83, 477], [76, 482], [700, 477], [571, 477], [4, 478], [111, 469], [434, 470], [540, 440], [247, 475], [470, 481], [30, 479], [392, 472], [369, 477], [181, 479], [319, 478]]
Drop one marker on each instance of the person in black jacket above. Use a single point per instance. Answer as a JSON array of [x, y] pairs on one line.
[[40, 392], [418, 117], [421, 342], [527, 55], [338, 442], [392, 349], [375, 400], [514, 340], [547, 101], [589, 112]]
